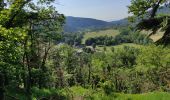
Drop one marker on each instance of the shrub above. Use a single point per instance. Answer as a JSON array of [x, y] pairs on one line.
[[108, 87]]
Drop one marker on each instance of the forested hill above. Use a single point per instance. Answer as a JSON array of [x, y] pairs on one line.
[[74, 24], [121, 22], [164, 10]]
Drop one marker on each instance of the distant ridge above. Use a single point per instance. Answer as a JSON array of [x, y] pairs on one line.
[[75, 24], [121, 22]]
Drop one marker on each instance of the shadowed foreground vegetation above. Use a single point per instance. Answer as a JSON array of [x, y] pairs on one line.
[[120, 72], [80, 93]]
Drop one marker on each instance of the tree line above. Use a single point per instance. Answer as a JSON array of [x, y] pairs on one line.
[[126, 36]]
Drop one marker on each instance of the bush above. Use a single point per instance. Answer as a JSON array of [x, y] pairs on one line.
[[125, 57], [47, 93], [108, 87]]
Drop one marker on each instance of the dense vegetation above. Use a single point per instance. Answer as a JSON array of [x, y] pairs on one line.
[[28, 30], [72, 38], [37, 62]]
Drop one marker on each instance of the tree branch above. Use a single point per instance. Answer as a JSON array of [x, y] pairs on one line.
[[155, 8]]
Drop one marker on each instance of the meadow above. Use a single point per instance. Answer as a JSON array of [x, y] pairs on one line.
[[107, 32]]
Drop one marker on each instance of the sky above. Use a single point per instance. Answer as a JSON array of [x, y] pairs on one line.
[[107, 10]]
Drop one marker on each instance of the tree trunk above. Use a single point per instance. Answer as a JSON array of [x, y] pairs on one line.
[[29, 76], [27, 63], [155, 8], [89, 76], [43, 68], [2, 92]]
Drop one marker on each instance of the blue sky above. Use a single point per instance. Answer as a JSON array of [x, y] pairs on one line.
[[99, 9]]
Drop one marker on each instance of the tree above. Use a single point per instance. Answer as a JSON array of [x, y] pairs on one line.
[[26, 27], [146, 13]]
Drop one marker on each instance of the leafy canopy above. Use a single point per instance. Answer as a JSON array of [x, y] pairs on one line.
[[146, 13]]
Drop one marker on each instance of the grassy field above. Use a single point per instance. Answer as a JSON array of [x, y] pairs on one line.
[[113, 32], [145, 96], [86, 94], [108, 32], [154, 37]]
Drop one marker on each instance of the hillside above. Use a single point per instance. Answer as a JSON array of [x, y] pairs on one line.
[[121, 22], [75, 24], [164, 10]]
